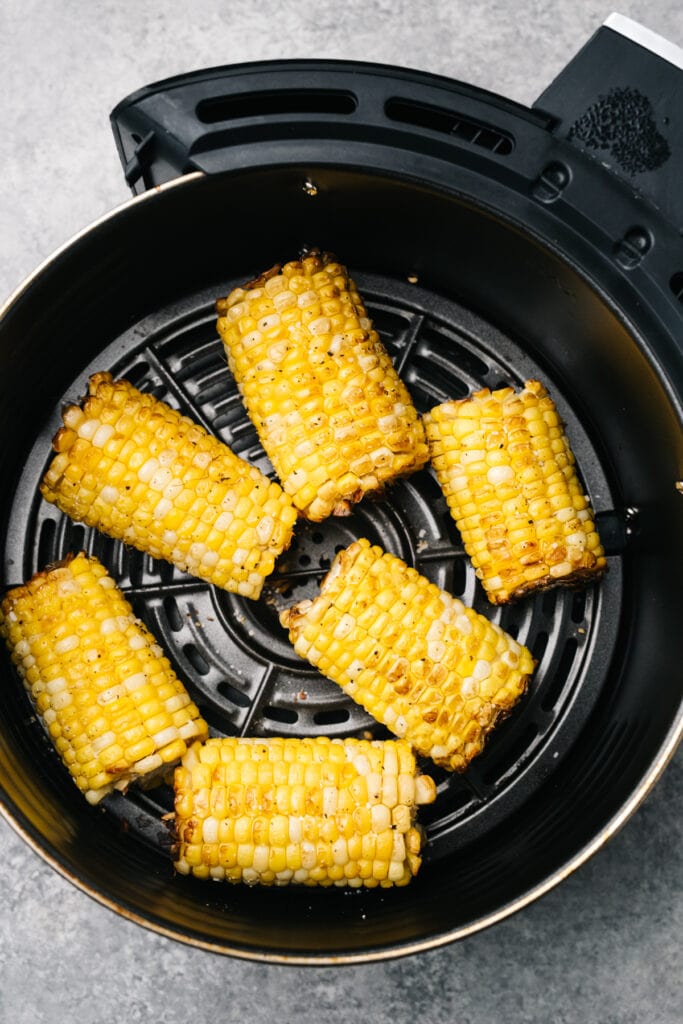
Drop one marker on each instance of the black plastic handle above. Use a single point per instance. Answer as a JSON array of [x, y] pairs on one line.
[[619, 101], [599, 155], [208, 120]]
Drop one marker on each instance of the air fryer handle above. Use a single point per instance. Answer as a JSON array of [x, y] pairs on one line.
[[619, 101], [226, 118]]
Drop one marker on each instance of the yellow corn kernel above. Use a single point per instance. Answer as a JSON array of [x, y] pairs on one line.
[[172, 491], [95, 658], [508, 473], [438, 700], [332, 413], [324, 847]]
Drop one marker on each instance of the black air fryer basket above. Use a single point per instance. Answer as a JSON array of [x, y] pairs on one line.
[[492, 243]]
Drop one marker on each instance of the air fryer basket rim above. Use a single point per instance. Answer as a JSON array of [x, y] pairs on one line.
[[593, 233], [598, 232], [15, 818], [388, 952]]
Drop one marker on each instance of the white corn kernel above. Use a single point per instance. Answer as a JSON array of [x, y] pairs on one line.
[[252, 339], [148, 764], [134, 682], [160, 479], [224, 520], [340, 851], [210, 830], [66, 644], [165, 736], [381, 818], [344, 627], [111, 694], [284, 300], [195, 727], [116, 623], [87, 429], [102, 435], [61, 700], [264, 529], [177, 701], [482, 669], [147, 470], [110, 495], [107, 739], [56, 685], [498, 475], [330, 797], [321, 325]]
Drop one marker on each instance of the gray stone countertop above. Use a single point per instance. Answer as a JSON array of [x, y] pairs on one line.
[[604, 946]]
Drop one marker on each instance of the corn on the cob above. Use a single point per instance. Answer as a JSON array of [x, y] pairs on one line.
[[312, 811], [139, 471], [332, 413], [108, 697], [434, 671], [508, 473]]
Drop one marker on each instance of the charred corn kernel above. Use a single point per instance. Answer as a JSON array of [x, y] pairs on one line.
[[332, 413], [461, 675], [312, 842], [508, 473], [106, 739], [168, 488]]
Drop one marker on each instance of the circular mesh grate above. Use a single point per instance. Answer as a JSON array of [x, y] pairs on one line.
[[233, 654]]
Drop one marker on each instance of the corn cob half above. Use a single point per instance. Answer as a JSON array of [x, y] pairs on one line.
[[311, 811], [332, 414], [108, 697], [434, 671], [142, 473], [508, 473]]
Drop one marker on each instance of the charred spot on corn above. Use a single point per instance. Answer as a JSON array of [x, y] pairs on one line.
[[308, 811], [508, 473], [107, 696], [332, 414], [432, 670]]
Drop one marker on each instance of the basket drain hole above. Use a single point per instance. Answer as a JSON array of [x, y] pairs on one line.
[[283, 715], [232, 694], [558, 679], [173, 616], [195, 658]]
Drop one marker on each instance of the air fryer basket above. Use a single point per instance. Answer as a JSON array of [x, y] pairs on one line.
[[473, 278]]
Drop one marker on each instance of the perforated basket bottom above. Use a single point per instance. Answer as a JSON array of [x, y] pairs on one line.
[[232, 653]]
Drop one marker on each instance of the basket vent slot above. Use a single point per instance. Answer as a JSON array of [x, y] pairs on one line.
[[557, 681], [233, 694], [196, 659], [46, 541], [676, 285], [331, 716], [269, 103], [449, 122], [175, 619], [277, 714]]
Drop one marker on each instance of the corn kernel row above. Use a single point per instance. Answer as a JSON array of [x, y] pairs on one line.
[[507, 470], [337, 422], [311, 811], [416, 658], [330, 409], [104, 690], [137, 470]]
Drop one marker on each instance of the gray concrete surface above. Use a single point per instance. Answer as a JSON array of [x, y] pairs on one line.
[[603, 947]]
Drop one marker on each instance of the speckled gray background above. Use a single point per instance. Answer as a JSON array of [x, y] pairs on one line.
[[603, 947]]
